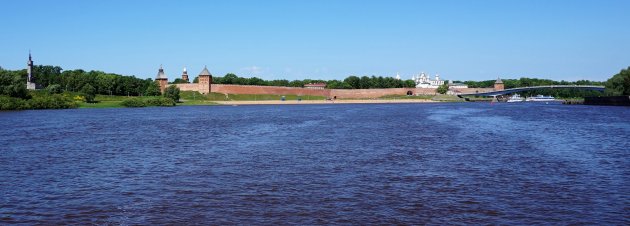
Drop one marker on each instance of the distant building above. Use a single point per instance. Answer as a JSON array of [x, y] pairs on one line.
[[424, 81], [315, 85], [397, 76], [205, 81], [498, 85], [161, 79], [452, 85], [185, 75], [30, 82]]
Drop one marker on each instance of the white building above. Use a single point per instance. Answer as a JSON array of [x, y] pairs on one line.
[[424, 81], [452, 85]]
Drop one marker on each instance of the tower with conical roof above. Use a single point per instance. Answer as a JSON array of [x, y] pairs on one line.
[[185, 75], [498, 85], [161, 79], [30, 83], [205, 81]]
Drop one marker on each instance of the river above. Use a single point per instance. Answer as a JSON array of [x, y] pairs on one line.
[[437, 163]]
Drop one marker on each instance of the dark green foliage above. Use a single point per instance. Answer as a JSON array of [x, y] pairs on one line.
[[153, 89], [172, 92], [336, 84], [45, 101], [74, 80], [54, 89], [138, 102], [11, 84], [179, 81], [619, 84], [409, 83], [296, 83], [133, 102], [12, 103], [89, 93], [55, 101], [161, 102], [443, 88], [196, 80]]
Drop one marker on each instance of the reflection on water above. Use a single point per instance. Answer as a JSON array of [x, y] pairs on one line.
[[464, 163]]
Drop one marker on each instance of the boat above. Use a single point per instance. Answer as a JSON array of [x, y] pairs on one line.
[[541, 98], [515, 98]]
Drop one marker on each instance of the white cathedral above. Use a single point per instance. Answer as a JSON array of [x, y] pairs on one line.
[[424, 81]]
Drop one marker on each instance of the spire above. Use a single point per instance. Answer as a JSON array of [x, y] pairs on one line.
[[185, 71], [498, 81], [205, 72]]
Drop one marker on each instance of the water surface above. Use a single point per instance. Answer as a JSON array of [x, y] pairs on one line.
[[466, 163]]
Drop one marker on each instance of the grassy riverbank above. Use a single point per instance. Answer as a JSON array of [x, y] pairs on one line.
[[189, 98]]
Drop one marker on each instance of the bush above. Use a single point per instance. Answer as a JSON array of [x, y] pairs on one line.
[[161, 101], [133, 103], [54, 89], [12, 103], [55, 101], [172, 92], [137, 102], [89, 93]]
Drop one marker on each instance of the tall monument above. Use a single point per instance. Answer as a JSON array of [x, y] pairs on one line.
[[30, 82], [205, 81], [161, 79]]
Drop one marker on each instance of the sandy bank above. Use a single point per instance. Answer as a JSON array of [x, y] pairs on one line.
[[278, 102]]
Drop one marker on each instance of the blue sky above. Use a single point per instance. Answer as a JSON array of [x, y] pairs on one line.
[[320, 39]]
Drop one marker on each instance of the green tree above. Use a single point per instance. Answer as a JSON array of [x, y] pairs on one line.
[[230, 79], [353, 81], [442, 89], [172, 92], [54, 89], [409, 83], [179, 81], [196, 80], [152, 89], [89, 93], [296, 83], [619, 84]]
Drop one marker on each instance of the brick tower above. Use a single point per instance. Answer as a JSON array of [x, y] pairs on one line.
[[205, 81], [498, 85], [185, 75], [161, 79]]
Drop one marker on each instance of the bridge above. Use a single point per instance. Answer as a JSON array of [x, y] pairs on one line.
[[521, 89]]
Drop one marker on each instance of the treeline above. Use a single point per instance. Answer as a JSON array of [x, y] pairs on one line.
[[526, 82], [103, 83], [54, 86], [619, 84], [351, 82]]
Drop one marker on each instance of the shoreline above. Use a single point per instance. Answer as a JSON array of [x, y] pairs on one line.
[[294, 102]]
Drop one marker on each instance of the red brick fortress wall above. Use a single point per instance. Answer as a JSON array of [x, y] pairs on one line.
[[275, 90], [339, 93], [188, 86]]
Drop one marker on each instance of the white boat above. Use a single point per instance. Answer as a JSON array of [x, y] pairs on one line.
[[515, 98], [541, 98]]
